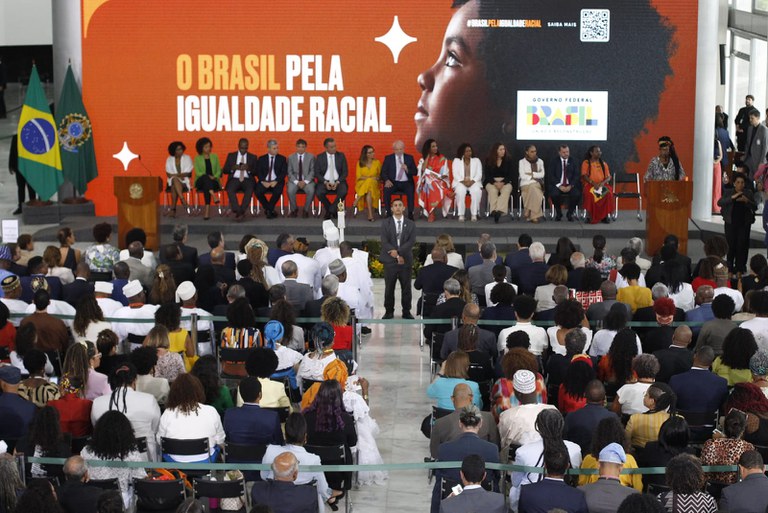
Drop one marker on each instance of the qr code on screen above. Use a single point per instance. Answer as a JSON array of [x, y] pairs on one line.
[[595, 25]]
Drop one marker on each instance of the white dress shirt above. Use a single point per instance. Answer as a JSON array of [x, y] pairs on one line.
[[16, 306], [122, 329], [536, 334], [304, 458], [140, 408], [242, 158], [205, 422], [331, 175]]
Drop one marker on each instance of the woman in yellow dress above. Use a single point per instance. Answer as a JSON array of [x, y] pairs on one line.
[[180, 341], [367, 181]]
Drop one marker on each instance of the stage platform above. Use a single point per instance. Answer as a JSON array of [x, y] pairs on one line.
[[464, 234]]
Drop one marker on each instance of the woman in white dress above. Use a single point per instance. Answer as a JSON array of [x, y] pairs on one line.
[[313, 364], [178, 168], [467, 179]]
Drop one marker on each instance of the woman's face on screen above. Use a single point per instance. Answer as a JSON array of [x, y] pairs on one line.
[[455, 101]]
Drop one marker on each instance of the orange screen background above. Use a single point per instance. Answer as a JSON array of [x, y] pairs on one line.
[[130, 51]]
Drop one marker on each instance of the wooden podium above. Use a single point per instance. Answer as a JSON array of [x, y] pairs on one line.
[[138, 207], [668, 211]]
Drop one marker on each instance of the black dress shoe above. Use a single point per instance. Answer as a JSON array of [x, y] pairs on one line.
[[606, 220], [365, 330], [570, 217], [407, 315], [388, 315], [17, 211], [559, 216], [496, 216]]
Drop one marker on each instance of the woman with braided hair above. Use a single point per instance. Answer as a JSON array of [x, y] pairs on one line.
[[661, 402], [74, 409], [11, 485], [141, 408], [81, 361], [550, 425]]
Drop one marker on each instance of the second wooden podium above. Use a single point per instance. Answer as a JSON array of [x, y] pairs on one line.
[[667, 213], [138, 207]]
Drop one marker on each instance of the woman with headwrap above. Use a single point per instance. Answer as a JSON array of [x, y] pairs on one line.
[[288, 360], [313, 364], [665, 166], [74, 409]]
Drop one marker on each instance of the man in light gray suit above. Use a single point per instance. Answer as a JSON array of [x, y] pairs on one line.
[[301, 177], [473, 497], [297, 294], [139, 271], [481, 275]]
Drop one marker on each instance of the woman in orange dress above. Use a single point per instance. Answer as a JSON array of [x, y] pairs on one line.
[[598, 196], [433, 187]]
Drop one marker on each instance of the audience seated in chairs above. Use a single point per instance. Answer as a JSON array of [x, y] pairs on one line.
[[726, 450], [525, 306], [216, 394], [500, 298], [608, 431], [749, 399], [114, 440], [552, 492], [36, 388], [288, 360], [571, 394], [16, 411], [738, 347], [473, 496], [452, 307], [644, 427], [486, 340], [239, 333], [45, 440], [39, 497], [557, 364], [433, 274], [447, 428], [517, 424], [454, 370], [713, 332], [549, 426], [75, 494], [569, 316], [74, 410], [676, 358], [615, 321], [503, 396], [261, 364], [282, 494], [169, 364], [313, 364], [293, 335], [468, 443], [187, 417], [698, 390], [608, 492], [582, 423], [295, 439], [631, 397], [686, 479], [750, 495], [250, 423]]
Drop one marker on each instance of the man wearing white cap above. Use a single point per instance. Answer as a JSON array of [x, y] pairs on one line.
[[136, 310], [11, 286], [517, 424], [103, 292], [323, 256], [607, 493], [186, 294]]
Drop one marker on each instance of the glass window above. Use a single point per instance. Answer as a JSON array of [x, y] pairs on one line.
[[741, 45], [761, 6]]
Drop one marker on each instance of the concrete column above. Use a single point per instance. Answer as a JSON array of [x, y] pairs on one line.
[[67, 47], [67, 44], [707, 65]]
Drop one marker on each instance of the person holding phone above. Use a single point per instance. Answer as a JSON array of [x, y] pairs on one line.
[[738, 208]]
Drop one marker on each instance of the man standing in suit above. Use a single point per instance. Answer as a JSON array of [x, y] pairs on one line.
[[297, 294], [552, 492], [563, 182], [301, 177], [398, 236], [756, 143], [607, 493], [282, 495], [751, 494], [699, 390], [456, 450], [397, 172], [241, 168], [473, 497], [447, 428], [676, 358], [331, 172], [742, 122], [271, 170]]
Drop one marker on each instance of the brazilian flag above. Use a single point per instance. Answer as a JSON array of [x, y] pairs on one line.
[[75, 136], [39, 155]]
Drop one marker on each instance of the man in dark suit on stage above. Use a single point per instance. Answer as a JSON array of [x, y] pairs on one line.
[[551, 492], [282, 495], [398, 236], [751, 494], [331, 174], [241, 168], [563, 182], [473, 496], [397, 173], [271, 170], [700, 390]]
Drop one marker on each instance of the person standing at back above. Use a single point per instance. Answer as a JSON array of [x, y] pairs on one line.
[[398, 236]]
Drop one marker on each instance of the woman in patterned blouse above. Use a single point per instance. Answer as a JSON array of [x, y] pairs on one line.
[[666, 165], [101, 257], [726, 450], [686, 478]]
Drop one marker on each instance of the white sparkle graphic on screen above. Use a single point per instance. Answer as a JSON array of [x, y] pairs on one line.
[[396, 39], [125, 156]]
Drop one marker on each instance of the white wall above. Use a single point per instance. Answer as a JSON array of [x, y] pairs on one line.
[[26, 22]]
